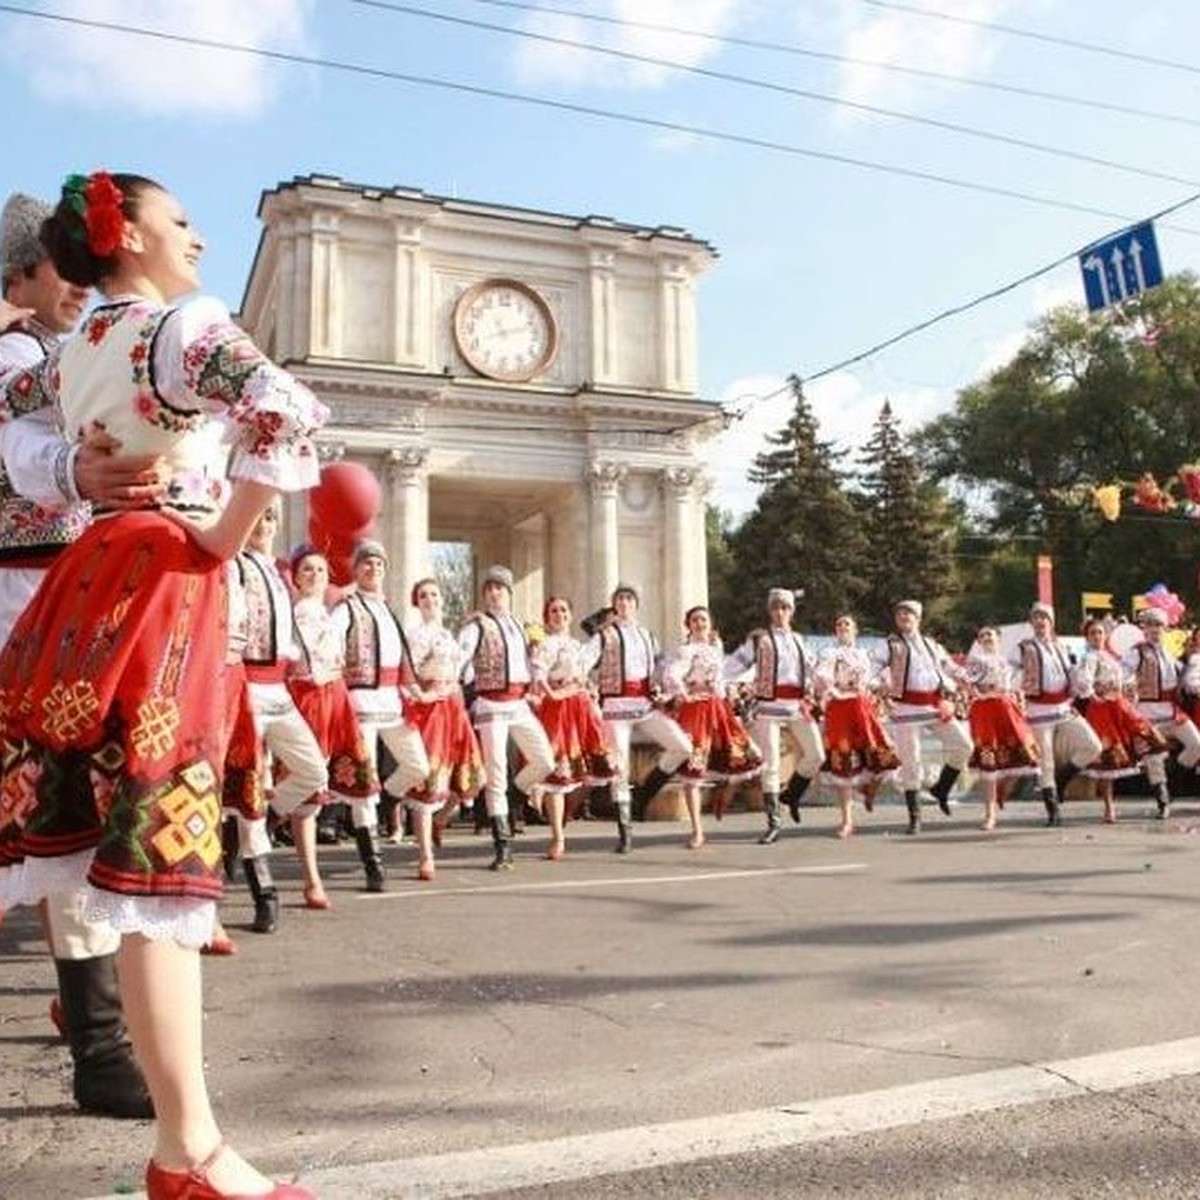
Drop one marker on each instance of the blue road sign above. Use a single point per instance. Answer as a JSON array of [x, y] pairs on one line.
[[1121, 268]]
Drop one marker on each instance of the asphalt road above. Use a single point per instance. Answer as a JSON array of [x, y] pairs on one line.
[[611, 1026]]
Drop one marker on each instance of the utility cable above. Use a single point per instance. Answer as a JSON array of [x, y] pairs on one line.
[[829, 56], [758, 143], [1037, 36], [780, 89]]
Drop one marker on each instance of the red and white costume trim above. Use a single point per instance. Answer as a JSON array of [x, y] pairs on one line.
[[858, 751], [1005, 747]]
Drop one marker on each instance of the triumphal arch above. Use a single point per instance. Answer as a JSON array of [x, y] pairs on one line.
[[521, 381]]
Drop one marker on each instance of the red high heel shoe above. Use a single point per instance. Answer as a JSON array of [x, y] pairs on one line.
[[58, 1018], [193, 1184], [426, 872], [314, 897], [221, 946]]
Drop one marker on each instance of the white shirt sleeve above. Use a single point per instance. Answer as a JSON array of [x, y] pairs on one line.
[[40, 462]]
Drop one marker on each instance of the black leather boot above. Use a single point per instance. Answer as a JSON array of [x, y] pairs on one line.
[[1053, 809], [624, 828], [367, 840], [108, 1082], [1062, 776], [941, 790], [328, 821], [771, 810], [914, 812], [794, 793], [501, 833], [645, 791], [229, 846], [1162, 797], [262, 889]]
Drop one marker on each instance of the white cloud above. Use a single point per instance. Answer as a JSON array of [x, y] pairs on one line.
[[543, 62], [118, 70], [845, 411], [905, 39]]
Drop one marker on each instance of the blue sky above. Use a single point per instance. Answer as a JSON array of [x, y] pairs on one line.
[[819, 260]]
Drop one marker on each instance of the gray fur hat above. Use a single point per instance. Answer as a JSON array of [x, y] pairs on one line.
[[21, 233]]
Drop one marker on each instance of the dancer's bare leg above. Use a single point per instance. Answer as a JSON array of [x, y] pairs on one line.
[[161, 999], [304, 836], [845, 795], [422, 818], [990, 803], [553, 805], [691, 796]]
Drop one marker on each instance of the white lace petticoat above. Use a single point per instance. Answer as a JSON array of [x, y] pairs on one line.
[[187, 920]]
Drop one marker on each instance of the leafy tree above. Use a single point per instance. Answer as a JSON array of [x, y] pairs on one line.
[[1088, 400], [804, 532], [908, 526]]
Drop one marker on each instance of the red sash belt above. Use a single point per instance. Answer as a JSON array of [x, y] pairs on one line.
[[1049, 698], [921, 698], [635, 687], [388, 677], [266, 672], [514, 692], [788, 691]]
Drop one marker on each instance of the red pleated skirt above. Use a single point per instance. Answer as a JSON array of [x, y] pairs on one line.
[[1126, 738], [1004, 745], [582, 756], [112, 698], [330, 715], [455, 761], [721, 747], [857, 748]]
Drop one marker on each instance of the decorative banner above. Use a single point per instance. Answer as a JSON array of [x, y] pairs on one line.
[[1045, 579]]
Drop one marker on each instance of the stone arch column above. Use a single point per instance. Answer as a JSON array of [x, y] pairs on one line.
[[605, 478], [406, 476], [682, 584]]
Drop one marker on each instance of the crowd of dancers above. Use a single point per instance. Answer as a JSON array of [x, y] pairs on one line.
[[168, 684]]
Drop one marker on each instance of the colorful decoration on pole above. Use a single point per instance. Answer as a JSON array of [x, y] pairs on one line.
[[1160, 596], [342, 509]]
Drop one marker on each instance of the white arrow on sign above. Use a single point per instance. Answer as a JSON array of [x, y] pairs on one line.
[[1118, 262], [1135, 253], [1095, 263]]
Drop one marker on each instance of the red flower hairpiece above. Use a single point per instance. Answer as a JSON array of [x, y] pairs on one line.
[[103, 218]]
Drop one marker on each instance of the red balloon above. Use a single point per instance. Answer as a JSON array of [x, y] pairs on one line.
[[347, 500]]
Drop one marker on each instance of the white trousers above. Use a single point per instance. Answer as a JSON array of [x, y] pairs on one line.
[[806, 737], [1071, 740], [494, 728], [69, 935], [412, 764], [286, 734], [953, 738], [660, 729], [1185, 733]]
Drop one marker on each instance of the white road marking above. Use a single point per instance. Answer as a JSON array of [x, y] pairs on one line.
[[619, 1151], [558, 885]]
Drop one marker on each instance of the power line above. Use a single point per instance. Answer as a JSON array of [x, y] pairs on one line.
[[1037, 36], [757, 143], [829, 56], [778, 89], [945, 314]]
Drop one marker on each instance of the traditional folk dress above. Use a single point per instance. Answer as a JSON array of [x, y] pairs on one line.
[[1156, 679], [722, 751], [496, 664], [858, 751], [112, 688], [319, 690], [434, 707], [582, 755], [244, 794], [1005, 747], [1129, 742], [1062, 735]]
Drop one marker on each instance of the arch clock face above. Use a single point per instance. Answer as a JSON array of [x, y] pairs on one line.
[[505, 330]]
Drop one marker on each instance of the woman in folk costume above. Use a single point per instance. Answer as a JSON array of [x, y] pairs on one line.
[[722, 752], [114, 677], [568, 713], [1130, 743], [433, 705], [1005, 747], [858, 753], [316, 685]]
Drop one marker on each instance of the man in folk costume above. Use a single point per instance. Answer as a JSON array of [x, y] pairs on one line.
[[1066, 742], [377, 663], [497, 669], [42, 509], [625, 656], [778, 666], [1156, 677], [921, 678], [271, 647]]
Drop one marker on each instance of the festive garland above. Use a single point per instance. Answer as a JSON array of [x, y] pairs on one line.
[[1178, 495]]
